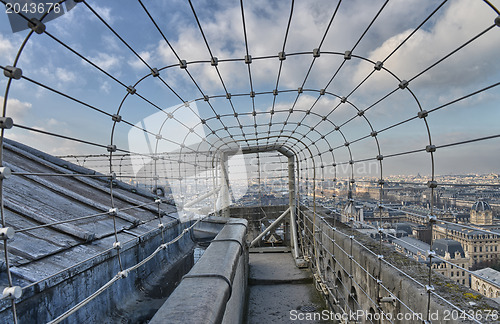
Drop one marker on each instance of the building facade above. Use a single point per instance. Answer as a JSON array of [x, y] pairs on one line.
[[477, 243], [486, 287], [453, 252]]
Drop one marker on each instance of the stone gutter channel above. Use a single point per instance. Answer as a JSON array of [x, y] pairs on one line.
[[214, 291], [230, 285]]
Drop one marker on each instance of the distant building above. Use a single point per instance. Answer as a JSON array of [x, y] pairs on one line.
[[416, 215], [453, 252], [481, 213], [422, 232], [352, 213], [479, 245], [405, 228], [479, 284], [448, 250], [412, 248], [371, 213]]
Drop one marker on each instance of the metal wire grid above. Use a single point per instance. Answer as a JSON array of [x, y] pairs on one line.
[[309, 154], [306, 222]]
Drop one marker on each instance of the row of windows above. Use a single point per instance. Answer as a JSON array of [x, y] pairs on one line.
[[490, 293], [493, 256], [485, 249], [476, 236], [458, 273], [453, 273]]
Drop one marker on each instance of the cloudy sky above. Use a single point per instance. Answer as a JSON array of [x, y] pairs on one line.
[[472, 68]]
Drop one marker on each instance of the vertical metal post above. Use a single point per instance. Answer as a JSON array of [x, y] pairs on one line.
[[224, 194], [291, 199]]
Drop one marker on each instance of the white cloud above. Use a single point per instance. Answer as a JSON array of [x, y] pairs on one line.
[[52, 122], [165, 53], [7, 50], [49, 144], [266, 27], [65, 76], [17, 109], [105, 87], [112, 43], [104, 12], [451, 30], [105, 61], [137, 64], [224, 32], [61, 23]]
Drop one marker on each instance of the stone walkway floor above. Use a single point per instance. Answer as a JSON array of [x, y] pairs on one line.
[[280, 292]]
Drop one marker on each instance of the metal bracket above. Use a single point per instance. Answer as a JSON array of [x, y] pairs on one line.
[[432, 184], [12, 292], [37, 26], [5, 173], [13, 72], [131, 90], [430, 148], [123, 274], [6, 233], [111, 148], [422, 114], [403, 84]]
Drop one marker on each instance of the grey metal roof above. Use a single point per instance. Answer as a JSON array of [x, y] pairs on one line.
[[33, 200], [406, 241], [488, 273], [414, 246], [406, 227], [470, 231], [442, 246]]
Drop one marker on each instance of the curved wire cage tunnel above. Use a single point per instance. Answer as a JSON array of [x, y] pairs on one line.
[[206, 104]]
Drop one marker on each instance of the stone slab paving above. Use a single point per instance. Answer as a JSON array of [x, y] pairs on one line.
[[279, 292]]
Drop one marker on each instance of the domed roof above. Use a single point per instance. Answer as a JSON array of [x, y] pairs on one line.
[[481, 205]]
